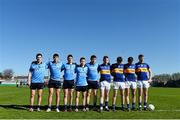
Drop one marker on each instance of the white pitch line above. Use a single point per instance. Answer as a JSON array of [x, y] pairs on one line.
[[168, 110]]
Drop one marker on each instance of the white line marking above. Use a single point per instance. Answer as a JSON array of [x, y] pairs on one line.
[[168, 110]]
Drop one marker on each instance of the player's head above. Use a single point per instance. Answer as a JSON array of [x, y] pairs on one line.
[[82, 61], [39, 57], [56, 57], [70, 58], [130, 60], [119, 60], [106, 60], [141, 58], [93, 59]]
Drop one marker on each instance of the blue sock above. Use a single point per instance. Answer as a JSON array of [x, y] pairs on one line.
[[101, 105], [76, 107], [94, 104], [70, 106], [128, 106], [145, 104], [31, 106], [106, 103], [140, 105], [87, 105], [38, 106], [65, 107], [49, 106], [122, 105], [57, 106], [114, 106], [133, 105]]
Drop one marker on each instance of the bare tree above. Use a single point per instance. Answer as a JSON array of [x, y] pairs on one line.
[[8, 73]]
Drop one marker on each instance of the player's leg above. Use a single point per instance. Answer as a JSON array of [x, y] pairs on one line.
[[94, 98], [133, 90], [107, 89], [145, 92], [70, 91], [32, 95], [122, 89], [101, 97], [39, 98], [57, 99], [51, 90], [77, 101], [114, 99], [115, 87], [140, 94], [65, 99], [84, 94], [127, 98], [88, 99]]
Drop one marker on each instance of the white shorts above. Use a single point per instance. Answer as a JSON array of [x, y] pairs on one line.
[[143, 84], [105, 85], [119, 85], [131, 84]]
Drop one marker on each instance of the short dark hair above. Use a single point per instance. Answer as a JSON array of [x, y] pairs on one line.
[[55, 55], [130, 59], [82, 58], [141, 55], [119, 59], [93, 56], [70, 56], [105, 57], [38, 54]]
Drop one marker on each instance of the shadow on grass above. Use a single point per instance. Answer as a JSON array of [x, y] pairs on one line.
[[26, 107]]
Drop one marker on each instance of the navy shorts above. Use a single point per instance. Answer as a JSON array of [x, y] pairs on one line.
[[93, 84], [54, 84], [68, 84], [35, 86], [81, 88]]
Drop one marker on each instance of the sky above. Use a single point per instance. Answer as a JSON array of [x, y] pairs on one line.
[[85, 27]]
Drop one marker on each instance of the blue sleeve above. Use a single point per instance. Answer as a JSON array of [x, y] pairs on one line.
[[47, 65], [99, 68], [63, 67], [75, 69], [148, 66], [31, 69]]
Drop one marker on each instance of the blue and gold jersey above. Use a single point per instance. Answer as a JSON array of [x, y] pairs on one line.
[[81, 79], [55, 70], [117, 71], [129, 72], [142, 71], [105, 72], [38, 72]]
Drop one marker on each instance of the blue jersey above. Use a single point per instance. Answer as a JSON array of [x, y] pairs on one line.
[[69, 71], [93, 74], [81, 79], [38, 72], [129, 71], [105, 72], [142, 71], [117, 71], [55, 70]]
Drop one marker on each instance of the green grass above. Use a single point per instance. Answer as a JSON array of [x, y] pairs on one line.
[[14, 102]]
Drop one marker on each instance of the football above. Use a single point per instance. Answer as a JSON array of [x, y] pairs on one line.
[[151, 107]]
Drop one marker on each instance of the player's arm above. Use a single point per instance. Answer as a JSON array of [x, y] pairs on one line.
[[29, 78], [150, 75]]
